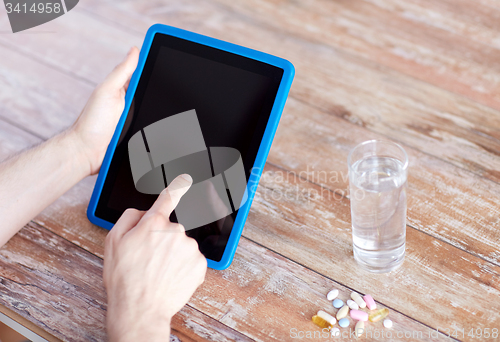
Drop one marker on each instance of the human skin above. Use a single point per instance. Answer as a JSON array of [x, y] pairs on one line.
[[151, 268]]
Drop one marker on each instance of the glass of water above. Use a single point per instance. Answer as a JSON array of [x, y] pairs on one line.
[[378, 173]]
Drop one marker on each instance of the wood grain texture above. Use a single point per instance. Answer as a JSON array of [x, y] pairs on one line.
[[58, 286], [53, 283], [311, 225], [14, 140], [460, 227], [343, 82], [27, 324], [451, 204], [37, 279], [421, 72], [67, 218], [89, 58], [266, 295], [445, 201], [457, 207], [451, 44], [300, 221], [41, 100], [223, 306], [425, 116]]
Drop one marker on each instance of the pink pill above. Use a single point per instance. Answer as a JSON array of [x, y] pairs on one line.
[[370, 303], [359, 315]]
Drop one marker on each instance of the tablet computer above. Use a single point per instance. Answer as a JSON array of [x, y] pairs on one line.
[[200, 106]]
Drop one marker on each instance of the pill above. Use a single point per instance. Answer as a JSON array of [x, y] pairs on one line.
[[378, 315], [344, 322], [370, 303], [332, 294], [321, 322], [327, 317], [335, 332], [357, 298], [338, 303], [359, 329], [358, 315], [343, 312], [388, 323], [352, 304]]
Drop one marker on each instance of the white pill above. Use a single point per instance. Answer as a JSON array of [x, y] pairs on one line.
[[352, 304], [388, 323], [344, 322], [338, 303], [335, 332], [332, 294], [357, 298], [327, 317], [359, 329], [343, 312]]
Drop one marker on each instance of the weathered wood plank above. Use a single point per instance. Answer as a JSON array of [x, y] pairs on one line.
[[266, 295], [54, 284], [444, 201], [26, 282], [475, 20], [451, 44], [27, 324], [36, 97], [259, 277], [93, 53], [472, 229], [484, 123], [311, 225], [192, 325], [449, 203], [356, 86], [67, 218], [14, 139], [347, 84], [58, 286], [438, 284], [427, 118]]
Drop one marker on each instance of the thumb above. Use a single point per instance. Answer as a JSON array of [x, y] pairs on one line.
[[123, 71]]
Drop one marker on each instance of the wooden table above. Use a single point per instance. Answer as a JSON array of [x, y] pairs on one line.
[[424, 73]]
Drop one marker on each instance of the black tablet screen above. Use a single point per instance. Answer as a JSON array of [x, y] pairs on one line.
[[230, 96]]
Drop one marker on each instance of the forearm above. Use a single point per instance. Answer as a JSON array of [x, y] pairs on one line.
[[134, 333], [33, 179]]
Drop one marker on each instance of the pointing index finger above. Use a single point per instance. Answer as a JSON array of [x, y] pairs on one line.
[[169, 198]]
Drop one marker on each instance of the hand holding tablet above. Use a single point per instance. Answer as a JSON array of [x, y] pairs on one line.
[[200, 106]]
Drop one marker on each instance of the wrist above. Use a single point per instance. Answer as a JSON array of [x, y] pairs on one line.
[[137, 329], [78, 155]]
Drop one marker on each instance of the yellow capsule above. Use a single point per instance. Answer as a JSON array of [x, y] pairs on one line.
[[327, 317], [378, 315], [321, 322], [343, 312], [357, 298], [359, 329]]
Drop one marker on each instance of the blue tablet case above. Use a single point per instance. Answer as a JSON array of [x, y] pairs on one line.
[[265, 145]]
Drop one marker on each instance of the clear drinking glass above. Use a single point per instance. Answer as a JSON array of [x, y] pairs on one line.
[[378, 173]]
